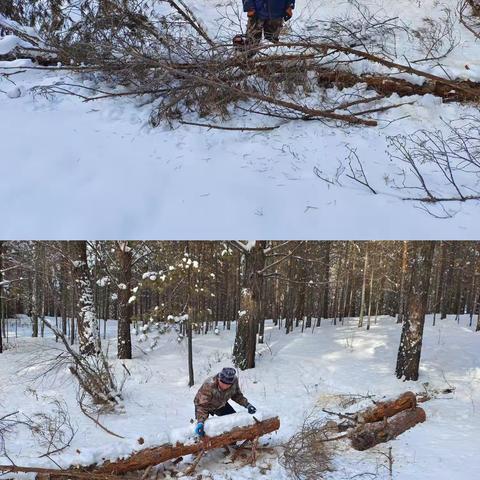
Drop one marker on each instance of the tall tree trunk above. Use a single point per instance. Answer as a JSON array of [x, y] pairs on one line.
[[364, 284], [191, 315], [1, 297], [446, 281], [64, 296], [43, 287], [370, 297], [439, 282], [325, 290], [403, 275], [124, 256], [36, 288], [420, 266], [191, 377], [250, 303], [88, 329]]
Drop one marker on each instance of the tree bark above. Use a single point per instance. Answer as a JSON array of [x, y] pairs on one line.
[[370, 434], [420, 263], [364, 283], [36, 287], [387, 408], [124, 255], [1, 296], [156, 455], [403, 274], [250, 307], [88, 329]]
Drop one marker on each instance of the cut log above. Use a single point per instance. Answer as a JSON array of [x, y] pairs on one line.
[[156, 455], [387, 408], [368, 435]]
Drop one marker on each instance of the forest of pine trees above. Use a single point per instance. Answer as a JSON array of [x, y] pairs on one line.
[[201, 286]]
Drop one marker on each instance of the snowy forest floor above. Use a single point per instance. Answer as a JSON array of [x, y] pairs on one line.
[[295, 375], [106, 173]]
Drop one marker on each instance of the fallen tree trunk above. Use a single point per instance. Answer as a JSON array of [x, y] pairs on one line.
[[471, 93], [150, 456], [387, 85], [156, 455], [368, 435], [53, 474], [388, 408]]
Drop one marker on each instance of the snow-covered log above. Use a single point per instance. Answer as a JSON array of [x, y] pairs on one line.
[[368, 435], [156, 455], [388, 408]]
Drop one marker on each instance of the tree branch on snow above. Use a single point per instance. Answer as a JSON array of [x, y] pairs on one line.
[[357, 173], [451, 156], [182, 70]]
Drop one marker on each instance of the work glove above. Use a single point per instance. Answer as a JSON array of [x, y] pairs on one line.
[[288, 13], [199, 430], [251, 409], [251, 13]]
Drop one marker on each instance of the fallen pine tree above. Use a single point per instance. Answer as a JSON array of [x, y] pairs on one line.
[[387, 408], [379, 411], [211, 76], [152, 456], [368, 435], [156, 455]]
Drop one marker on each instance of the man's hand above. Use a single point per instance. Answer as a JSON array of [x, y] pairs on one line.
[[199, 429], [251, 409], [288, 13], [251, 13]]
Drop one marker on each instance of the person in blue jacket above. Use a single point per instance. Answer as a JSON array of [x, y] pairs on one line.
[[266, 17]]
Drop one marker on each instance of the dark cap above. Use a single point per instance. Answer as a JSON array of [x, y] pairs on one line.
[[227, 375]]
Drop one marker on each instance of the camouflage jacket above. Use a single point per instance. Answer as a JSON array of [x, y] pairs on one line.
[[209, 397]]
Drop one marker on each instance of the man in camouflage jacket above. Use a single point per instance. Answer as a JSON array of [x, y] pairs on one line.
[[212, 398]]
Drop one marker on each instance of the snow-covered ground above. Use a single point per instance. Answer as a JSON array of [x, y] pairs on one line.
[[295, 375], [98, 170]]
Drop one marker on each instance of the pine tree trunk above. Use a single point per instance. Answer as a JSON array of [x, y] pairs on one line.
[[420, 265], [64, 296], [124, 255], [446, 282], [370, 434], [364, 283], [370, 296], [156, 455], [403, 275], [191, 377], [387, 408], [1, 297], [36, 288], [438, 282], [250, 307], [326, 280]]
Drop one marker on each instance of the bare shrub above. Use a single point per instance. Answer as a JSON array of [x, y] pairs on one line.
[[54, 430], [7, 424], [436, 38], [449, 156], [307, 455]]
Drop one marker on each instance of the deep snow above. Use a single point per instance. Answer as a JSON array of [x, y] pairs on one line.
[[296, 374], [98, 170]]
